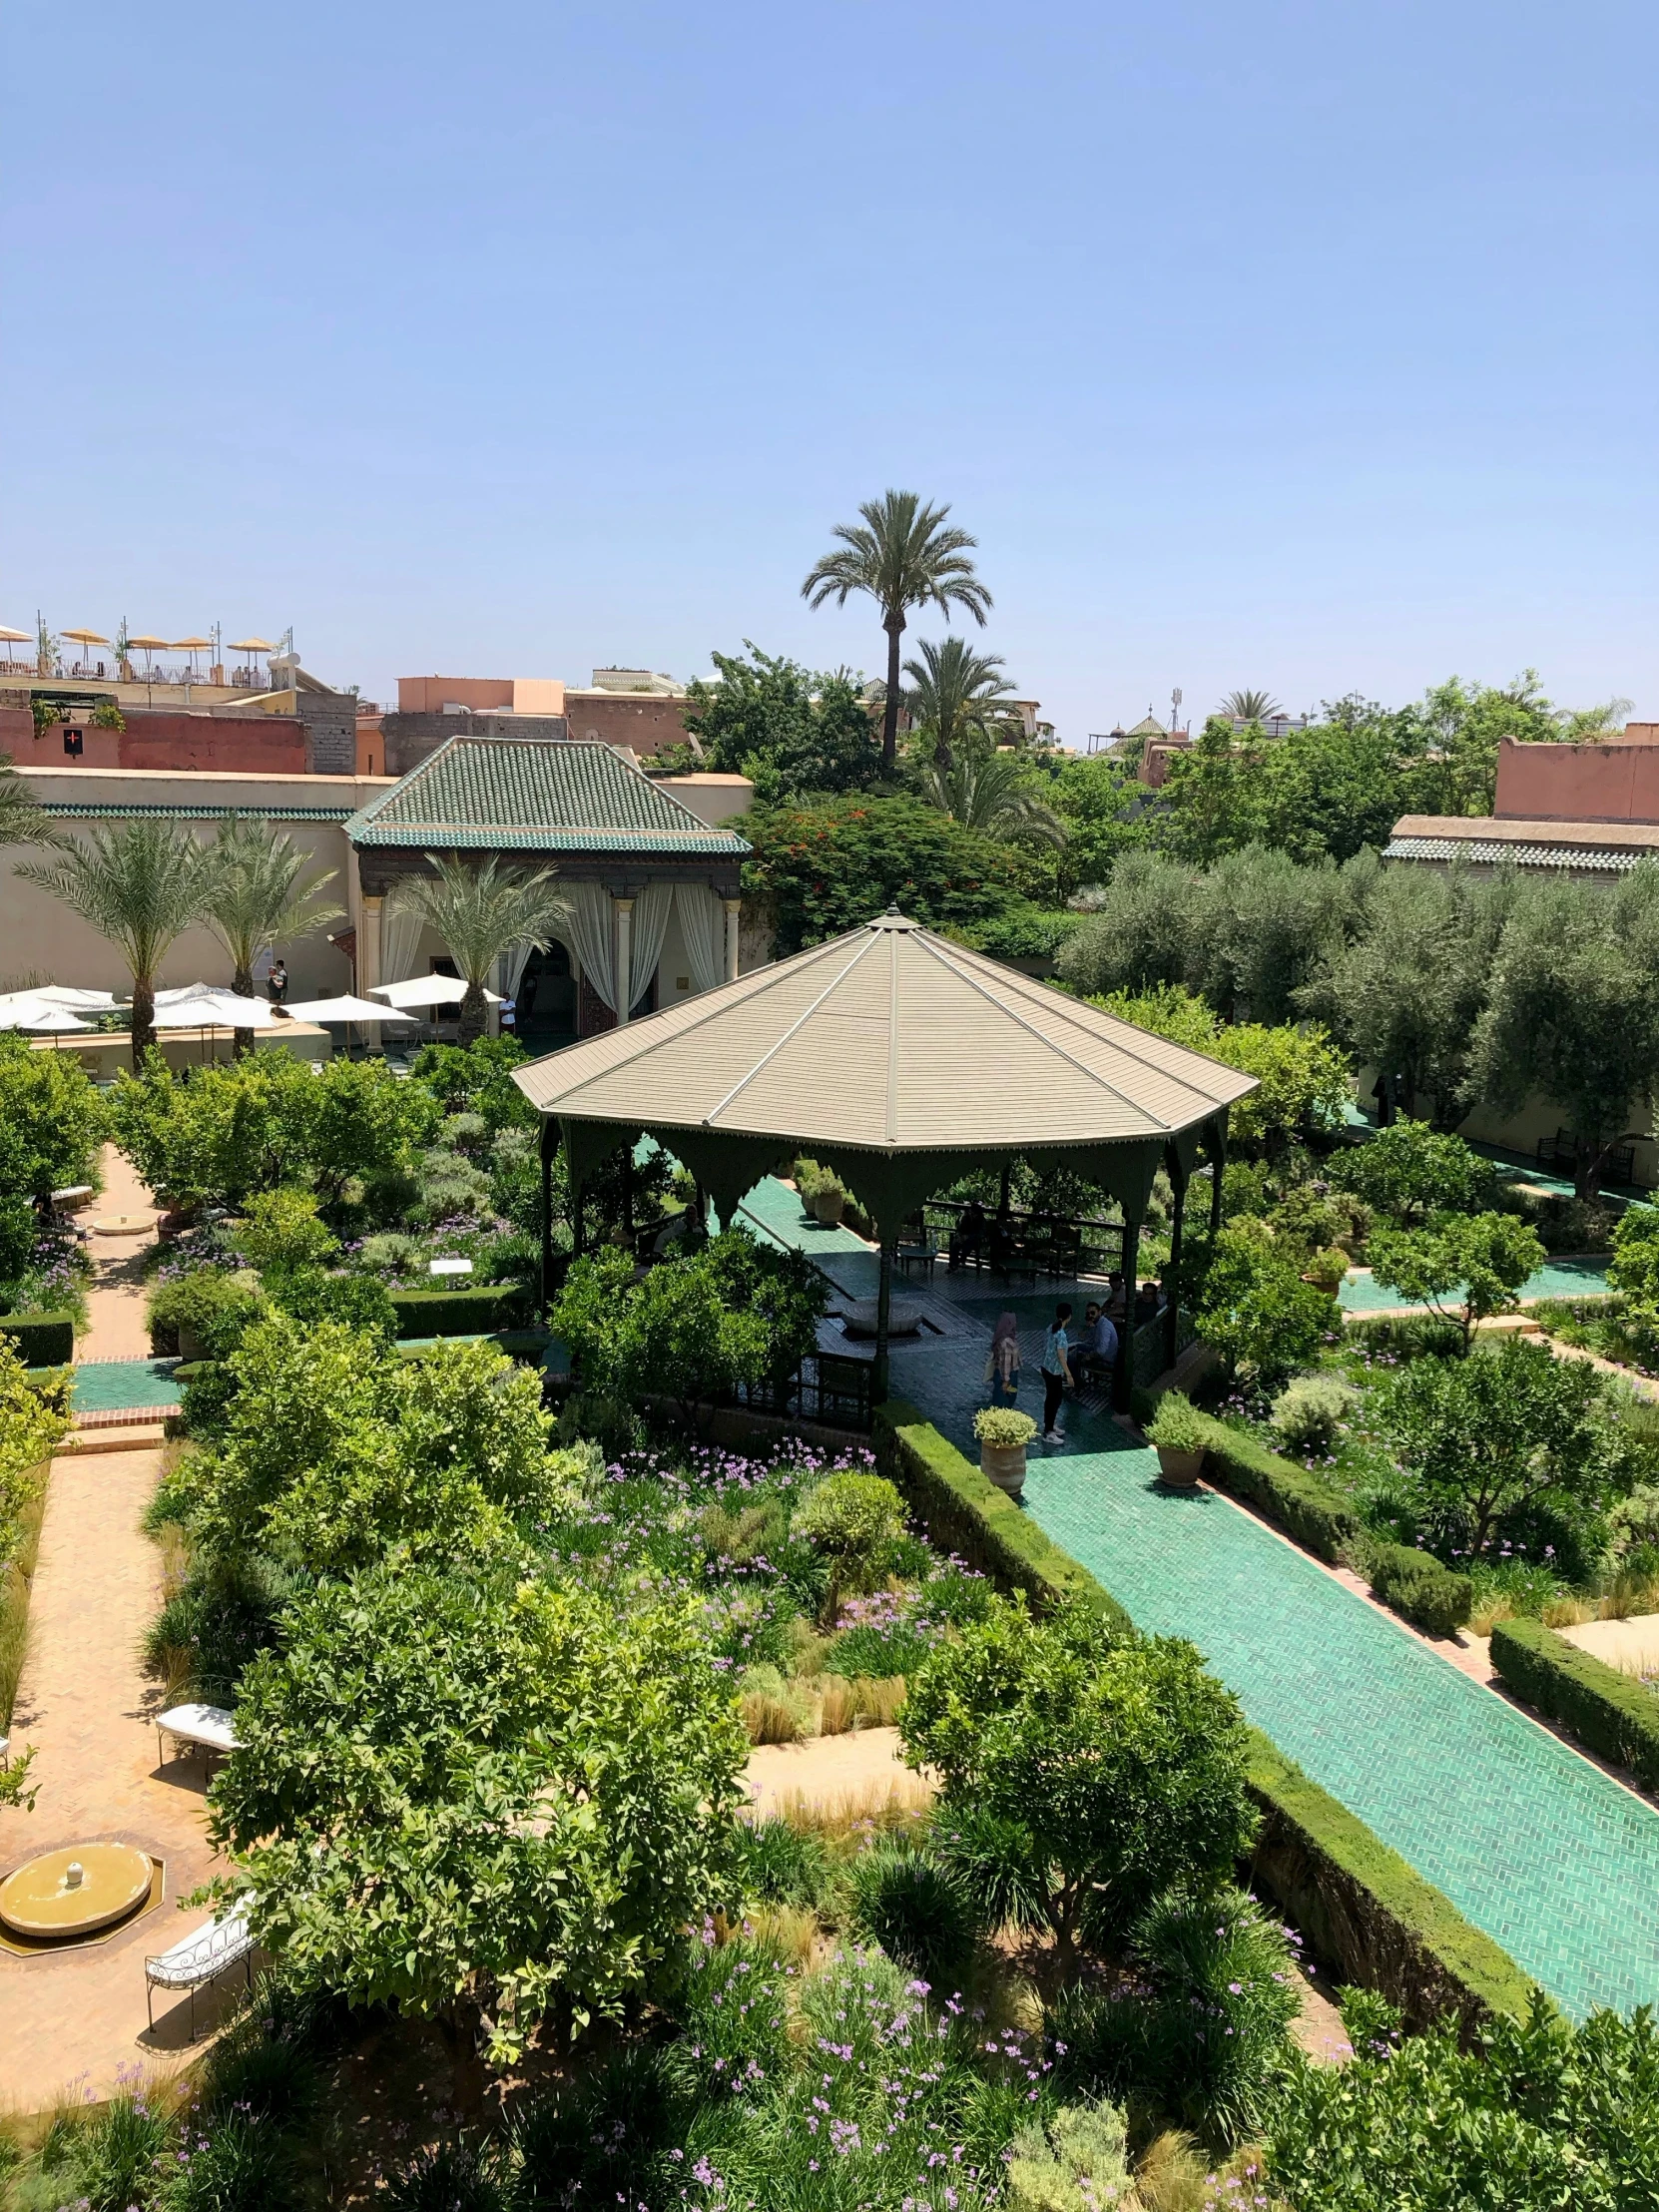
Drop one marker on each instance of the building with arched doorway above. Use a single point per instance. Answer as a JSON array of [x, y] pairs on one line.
[[653, 887]]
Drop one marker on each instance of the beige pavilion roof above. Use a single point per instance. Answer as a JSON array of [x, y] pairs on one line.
[[888, 1039]]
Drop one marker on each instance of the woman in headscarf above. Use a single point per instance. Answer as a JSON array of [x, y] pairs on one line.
[[1003, 1367]]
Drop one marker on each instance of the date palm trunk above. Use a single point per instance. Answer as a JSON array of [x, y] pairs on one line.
[[144, 1017], [473, 1014], [894, 627], [241, 1040]]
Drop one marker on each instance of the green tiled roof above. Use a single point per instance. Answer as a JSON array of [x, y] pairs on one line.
[[544, 795], [114, 810]]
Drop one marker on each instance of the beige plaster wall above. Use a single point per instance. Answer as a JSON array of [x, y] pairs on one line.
[[42, 940]]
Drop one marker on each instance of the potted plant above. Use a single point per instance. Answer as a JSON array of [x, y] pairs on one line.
[[1177, 1431], [829, 1200], [1326, 1268], [1003, 1434]]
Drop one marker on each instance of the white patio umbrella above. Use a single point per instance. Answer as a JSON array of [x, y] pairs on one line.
[[71, 994], [41, 1017], [349, 1010], [44, 1020], [428, 990], [346, 1008], [210, 1008], [202, 1006]]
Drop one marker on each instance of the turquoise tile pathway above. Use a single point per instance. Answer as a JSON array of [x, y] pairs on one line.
[[1362, 1294], [1556, 1862], [109, 1386]]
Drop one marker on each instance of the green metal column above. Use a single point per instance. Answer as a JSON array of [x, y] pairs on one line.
[[549, 1144], [884, 1313], [1123, 1376]]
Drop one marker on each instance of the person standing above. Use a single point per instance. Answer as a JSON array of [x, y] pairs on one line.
[[1003, 1367], [1057, 1373], [277, 987]]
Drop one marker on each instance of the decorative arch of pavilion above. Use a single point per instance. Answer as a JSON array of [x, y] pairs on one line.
[[902, 1061]]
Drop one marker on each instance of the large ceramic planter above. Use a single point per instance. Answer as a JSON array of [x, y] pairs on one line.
[[1005, 1465], [191, 1346], [826, 1207], [1180, 1469]]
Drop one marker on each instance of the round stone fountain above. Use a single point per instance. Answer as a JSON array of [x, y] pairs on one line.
[[74, 1892]]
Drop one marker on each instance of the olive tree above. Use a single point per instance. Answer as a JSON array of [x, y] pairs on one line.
[[1573, 1011]]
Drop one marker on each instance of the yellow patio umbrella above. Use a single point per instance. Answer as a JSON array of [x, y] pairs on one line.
[[13, 637], [251, 645], [85, 637], [192, 646], [146, 646]]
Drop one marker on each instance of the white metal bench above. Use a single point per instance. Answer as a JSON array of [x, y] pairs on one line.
[[198, 1958], [201, 1727]]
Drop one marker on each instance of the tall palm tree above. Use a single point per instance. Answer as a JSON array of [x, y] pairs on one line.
[[23, 821], [1250, 706], [141, 885], [990, 791], [956, 693], [902, 556], [258, 899], [480, 913]]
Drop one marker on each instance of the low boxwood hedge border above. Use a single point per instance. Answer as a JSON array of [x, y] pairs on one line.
[[1304, 1504], [1609, 1713], [41, 1340], [477, 1310], [966, 1514], [1364, 1908], [1416, 1583]]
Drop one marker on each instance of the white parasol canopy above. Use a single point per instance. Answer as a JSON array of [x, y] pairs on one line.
[[71, 994], [347, 1008], [428, 990], [202, 1008], [41, 1017]]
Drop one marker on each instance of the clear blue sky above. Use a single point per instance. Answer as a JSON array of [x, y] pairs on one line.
[[1307, 346]]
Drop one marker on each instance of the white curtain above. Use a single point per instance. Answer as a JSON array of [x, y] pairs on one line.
[[510, 972], [401, 930], [702, 925], [651, 910], [593, 935]]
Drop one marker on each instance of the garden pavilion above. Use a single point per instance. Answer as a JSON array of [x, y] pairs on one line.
[[901, 1061]]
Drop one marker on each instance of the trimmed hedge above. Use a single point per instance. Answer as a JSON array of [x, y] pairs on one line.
[[1363, 1906], [1611, 1714], [1417, 1585], [476, 1311], [966, 1514], [41, 1340], [1305, 1505]]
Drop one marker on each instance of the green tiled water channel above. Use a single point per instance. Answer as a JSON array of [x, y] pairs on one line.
[[111, 1385], [1362, 1294], [1555, 1860]]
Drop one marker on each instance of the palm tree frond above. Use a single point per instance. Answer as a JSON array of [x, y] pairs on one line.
[[902, 555], [257, 895], [1250, 706], [480, 913], [991, 791]]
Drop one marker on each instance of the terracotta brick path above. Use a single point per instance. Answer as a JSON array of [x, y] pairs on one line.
[[85, 1706]]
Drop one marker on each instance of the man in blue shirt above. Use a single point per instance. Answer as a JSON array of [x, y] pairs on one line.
[[1097, 1354]]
